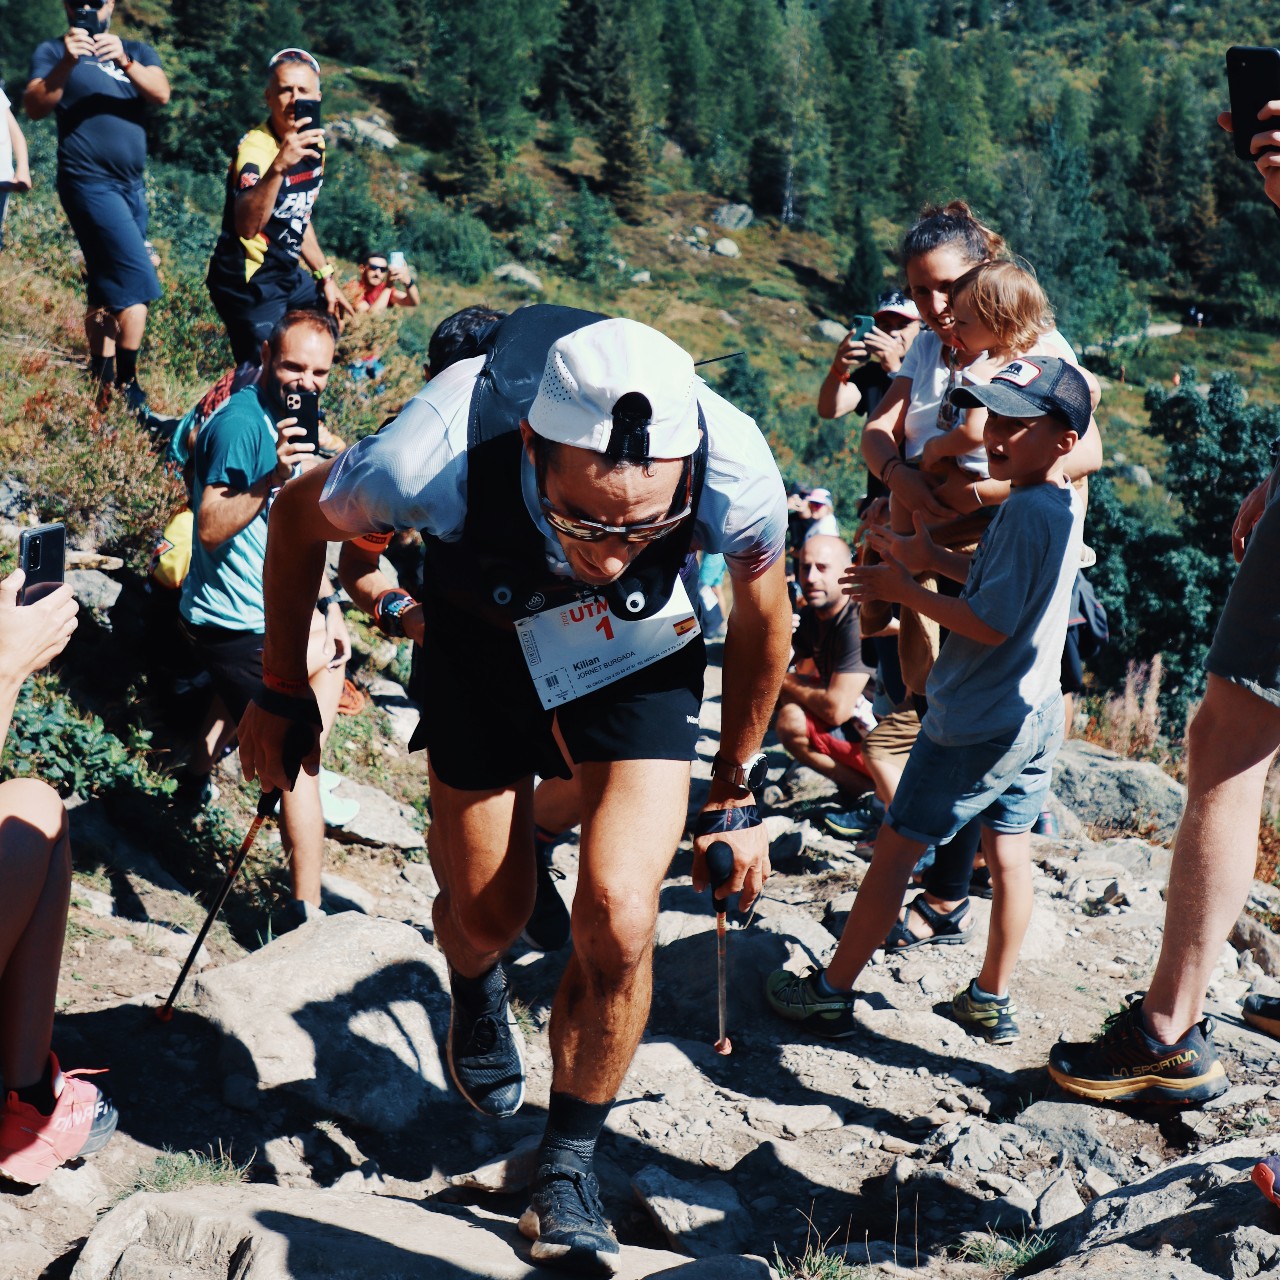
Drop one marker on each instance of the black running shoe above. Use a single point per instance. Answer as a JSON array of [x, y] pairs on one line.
[[566, 1221], [548, 927], [1125, 1063], [485, 1051]]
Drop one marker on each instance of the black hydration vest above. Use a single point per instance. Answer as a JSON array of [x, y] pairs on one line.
[[498, 570]]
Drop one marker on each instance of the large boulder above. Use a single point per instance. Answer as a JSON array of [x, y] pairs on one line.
[[347, 1012], [275, 1233], [734, 217], [1197, 1218], [1115, 794]]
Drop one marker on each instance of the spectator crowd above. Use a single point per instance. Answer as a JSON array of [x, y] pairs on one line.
[[572, 510]]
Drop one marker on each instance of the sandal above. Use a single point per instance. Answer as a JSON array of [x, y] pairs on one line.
[[946, 925], [980, 883]]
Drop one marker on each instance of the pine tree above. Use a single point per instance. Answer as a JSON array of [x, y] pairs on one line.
[[688, 76], [979, 14], [478, 160], [1071, 117], [626, 152], [944, 22], [591, 223], [864, 278]]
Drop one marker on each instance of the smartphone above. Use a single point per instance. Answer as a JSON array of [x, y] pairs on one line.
[[1253, 77], [306, 113], [862, 325], [396, 261], [305, 406], [41, 552]]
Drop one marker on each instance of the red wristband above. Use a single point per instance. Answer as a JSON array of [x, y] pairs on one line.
[[278, 684]]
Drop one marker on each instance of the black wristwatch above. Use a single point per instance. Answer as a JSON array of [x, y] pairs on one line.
[[741, 779], [322, 605]]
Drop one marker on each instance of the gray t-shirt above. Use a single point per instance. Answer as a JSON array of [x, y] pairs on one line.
[[1020, 584], [413, 475]]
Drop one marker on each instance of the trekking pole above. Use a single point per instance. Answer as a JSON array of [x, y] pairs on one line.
[[719, 872], [266, 806]]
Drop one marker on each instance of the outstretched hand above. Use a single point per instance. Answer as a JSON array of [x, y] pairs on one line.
[[888, 580], [915, 552]]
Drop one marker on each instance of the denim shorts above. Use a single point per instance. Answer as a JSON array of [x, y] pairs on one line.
[[110, 223], [1005, 781]]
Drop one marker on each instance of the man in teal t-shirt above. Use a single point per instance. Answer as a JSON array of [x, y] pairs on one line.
[[243, 454]]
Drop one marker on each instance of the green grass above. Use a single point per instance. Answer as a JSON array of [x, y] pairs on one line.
[[816, 1264], [181, 1170], [1005, 1254]]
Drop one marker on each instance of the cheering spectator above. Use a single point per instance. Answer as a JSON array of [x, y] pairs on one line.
[[15, 174], [100, 87], [49, 1116], [385, 282], [275, 175]]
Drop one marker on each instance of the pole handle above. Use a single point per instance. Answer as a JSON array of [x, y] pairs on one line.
[[719, 871]]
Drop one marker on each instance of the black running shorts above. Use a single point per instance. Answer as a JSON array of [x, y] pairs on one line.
[[484, 727]]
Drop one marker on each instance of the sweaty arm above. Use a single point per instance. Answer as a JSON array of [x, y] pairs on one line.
[[360, 574]]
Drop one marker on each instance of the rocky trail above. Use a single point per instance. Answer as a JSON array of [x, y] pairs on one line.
[[313, 1065]]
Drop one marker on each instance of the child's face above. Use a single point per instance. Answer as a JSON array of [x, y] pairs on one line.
[[969, 333], [1025, 450]]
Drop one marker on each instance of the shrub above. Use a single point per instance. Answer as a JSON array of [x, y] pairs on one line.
[[522, 212], [449, 242], [592, 220]]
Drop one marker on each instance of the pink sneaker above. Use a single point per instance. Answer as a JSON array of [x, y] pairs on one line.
[[32, 1145]]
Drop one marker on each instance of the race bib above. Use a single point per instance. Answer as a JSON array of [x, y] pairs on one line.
[[581, 647]]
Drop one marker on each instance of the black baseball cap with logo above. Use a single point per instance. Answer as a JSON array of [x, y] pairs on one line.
[[1031, 387]]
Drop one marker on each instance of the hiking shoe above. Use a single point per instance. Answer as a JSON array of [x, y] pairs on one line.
[[854, 824], [990, 1016], [1265, 1173], [547, 928], [33, 1145], [1263, 1012], [293, 915], [485, 1050], [1125, 1063], [797, 998], [565, 1219]]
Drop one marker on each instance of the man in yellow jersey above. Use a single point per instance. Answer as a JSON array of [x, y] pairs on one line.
[[267, 260]]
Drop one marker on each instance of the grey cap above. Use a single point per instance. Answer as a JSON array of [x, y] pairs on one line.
[[1032, 386]]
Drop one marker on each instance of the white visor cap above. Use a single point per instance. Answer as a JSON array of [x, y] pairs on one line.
[[589, 370]]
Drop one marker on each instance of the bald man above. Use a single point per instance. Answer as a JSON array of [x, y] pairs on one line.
[[825, 695]]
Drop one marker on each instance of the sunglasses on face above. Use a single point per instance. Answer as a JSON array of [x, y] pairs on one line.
[[375, 266], [581, 529]]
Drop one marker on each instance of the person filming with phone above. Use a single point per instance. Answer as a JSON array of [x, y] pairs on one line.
[[868, 357], [49, 1116], [243, 455], [385, 282], [267, 260], [100, 87]]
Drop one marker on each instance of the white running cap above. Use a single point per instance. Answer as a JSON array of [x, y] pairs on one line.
[[589, 370]]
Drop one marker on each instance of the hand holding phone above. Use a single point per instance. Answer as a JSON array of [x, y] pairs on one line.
[[305, 407], [1253, 77], [41, 555], [306, 114]]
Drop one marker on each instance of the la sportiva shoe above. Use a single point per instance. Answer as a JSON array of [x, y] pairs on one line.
[[547, 928], [33, 1145], [565, 1219], [797, 998], [485, 1050], [1125, 1062], [991, 1017]]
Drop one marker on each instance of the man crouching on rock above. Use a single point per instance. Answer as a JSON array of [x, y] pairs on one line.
[[556, 629]]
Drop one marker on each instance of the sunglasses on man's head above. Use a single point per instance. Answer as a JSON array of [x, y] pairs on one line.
[[293, 55], [582, 529]]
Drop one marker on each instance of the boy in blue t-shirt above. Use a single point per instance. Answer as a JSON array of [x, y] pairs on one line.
[[995, 721]]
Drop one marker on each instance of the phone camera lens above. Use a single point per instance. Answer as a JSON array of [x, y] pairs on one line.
[[34, 557]]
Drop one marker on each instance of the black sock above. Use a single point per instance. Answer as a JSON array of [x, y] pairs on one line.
[[474, 992], [40, 1094], [103, 368], [573, 1126], [126, 366]]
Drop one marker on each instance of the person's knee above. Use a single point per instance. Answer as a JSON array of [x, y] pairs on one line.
[[35, 804], [613, 930], [489, 922], [790, 726]]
